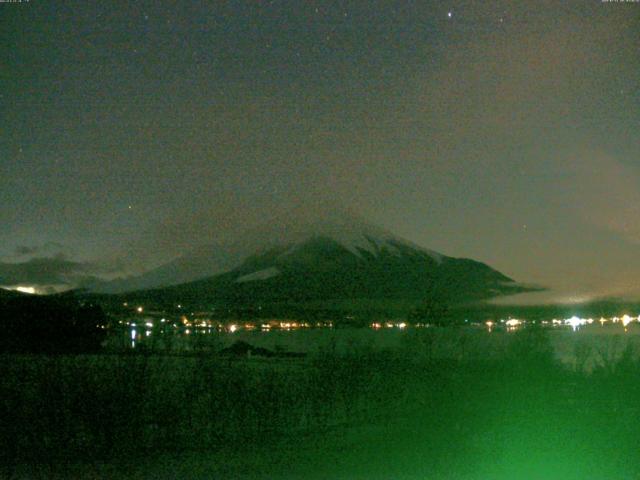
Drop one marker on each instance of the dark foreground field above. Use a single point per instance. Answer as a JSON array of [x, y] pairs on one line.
[[483, 413]]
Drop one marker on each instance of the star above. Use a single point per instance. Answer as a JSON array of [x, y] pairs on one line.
[[450, 14]]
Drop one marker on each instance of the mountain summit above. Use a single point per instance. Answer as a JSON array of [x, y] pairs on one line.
[[339, 258]]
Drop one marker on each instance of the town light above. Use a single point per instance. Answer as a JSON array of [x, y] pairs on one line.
[[575, 322]]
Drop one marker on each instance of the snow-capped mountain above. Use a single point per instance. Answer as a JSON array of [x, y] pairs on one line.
[[225, 254], [298, 260]]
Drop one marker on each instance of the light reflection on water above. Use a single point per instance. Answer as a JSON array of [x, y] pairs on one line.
[[569, 346]]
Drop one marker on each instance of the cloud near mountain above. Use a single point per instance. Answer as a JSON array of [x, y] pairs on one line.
[[55, 271]]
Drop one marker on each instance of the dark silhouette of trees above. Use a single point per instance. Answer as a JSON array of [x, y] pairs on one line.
[[55, 324], [433, 310]]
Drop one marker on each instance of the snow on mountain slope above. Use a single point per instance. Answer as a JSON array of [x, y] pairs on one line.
[[259, 275], [287, 233], [355, 235]]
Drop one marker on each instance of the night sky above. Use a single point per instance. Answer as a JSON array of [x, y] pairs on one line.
[[503, 131]]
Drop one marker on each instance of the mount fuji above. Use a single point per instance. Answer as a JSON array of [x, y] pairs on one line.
[[295, 260]]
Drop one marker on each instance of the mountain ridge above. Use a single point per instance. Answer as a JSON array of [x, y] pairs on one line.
[[339, 259], [224, 254], [323, 271]]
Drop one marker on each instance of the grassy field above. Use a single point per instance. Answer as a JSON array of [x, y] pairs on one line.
[[442, 404]]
